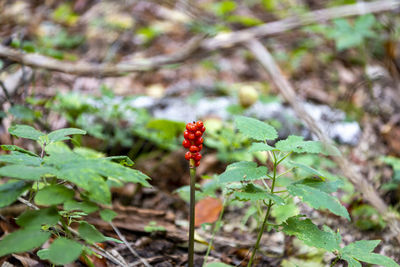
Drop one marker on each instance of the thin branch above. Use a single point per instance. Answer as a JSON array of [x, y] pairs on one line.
[[220, 41], [145, 263], [286, 89]]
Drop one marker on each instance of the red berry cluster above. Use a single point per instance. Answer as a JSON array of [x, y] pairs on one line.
[[194, 141]]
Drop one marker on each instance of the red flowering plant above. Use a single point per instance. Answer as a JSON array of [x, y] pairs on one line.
[[194, 142]]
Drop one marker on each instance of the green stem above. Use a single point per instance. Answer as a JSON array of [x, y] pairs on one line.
[[260, 233], [334, 262], [215, 230], [191, 212]]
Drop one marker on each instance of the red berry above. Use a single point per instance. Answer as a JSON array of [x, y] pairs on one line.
[[194, 149], [198, 133], [191, 127], [197, 163], [203, 129], [188, 155], [186, 143], [186, 134], [196, 156], [199, 125], [191, 136], [199, 141]]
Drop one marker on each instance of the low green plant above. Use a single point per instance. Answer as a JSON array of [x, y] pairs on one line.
[[275, 191], [61, 186]]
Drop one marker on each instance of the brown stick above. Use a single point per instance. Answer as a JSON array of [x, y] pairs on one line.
[[286, 89], [223, 40]]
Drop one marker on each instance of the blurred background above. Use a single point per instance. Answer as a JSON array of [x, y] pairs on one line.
[[171, 62]]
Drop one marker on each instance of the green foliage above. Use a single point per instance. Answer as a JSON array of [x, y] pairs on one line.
[[22, 240], [10, 191], [62, 251], [255, 129], [347, 35], [313, 186], [310, 234], [50, 180], [318, 199]]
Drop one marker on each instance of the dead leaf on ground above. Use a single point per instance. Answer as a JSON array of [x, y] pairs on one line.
[[207, 210]]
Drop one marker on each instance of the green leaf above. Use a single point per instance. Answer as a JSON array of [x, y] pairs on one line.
[[21, 158], [253, 192], [283, 212], [108, 215], [62, 134], [261, 147], [25, 131], [298, 145], [63, 251], [243, 171], [362, 251], [37, 218], [53, 195], [307, 169], [351, 261], [26, 172], [123, 160], [318, 199], [22, 240], [310, 234], [10, 191], [218, 264], [17, 148], [91, 235], [327, 187], [85, 206], [255, 129]]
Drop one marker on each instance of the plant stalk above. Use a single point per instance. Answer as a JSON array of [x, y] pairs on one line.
[[191, 212], [260, 233]]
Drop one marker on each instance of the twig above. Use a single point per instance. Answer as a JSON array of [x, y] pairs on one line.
[[286, 89], [129, 246], [87, 69], [220, 41], [103, 252]]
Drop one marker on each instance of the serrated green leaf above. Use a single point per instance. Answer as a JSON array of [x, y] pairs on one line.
[[255, 129], [260, 147], [10, 191], [53, 195], [22, 240], [84, 206], [25, 131], [26, 172], [362, 251], [310, 234], [63, 251], [20, 158], [307, 169], [243, 171], [17, 148], [62, 134], [298, 145], [318, 199], [92, 235], [325, 186], [351, 261], [108, 215], [37, 218], [253, 192], [123, 160]]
